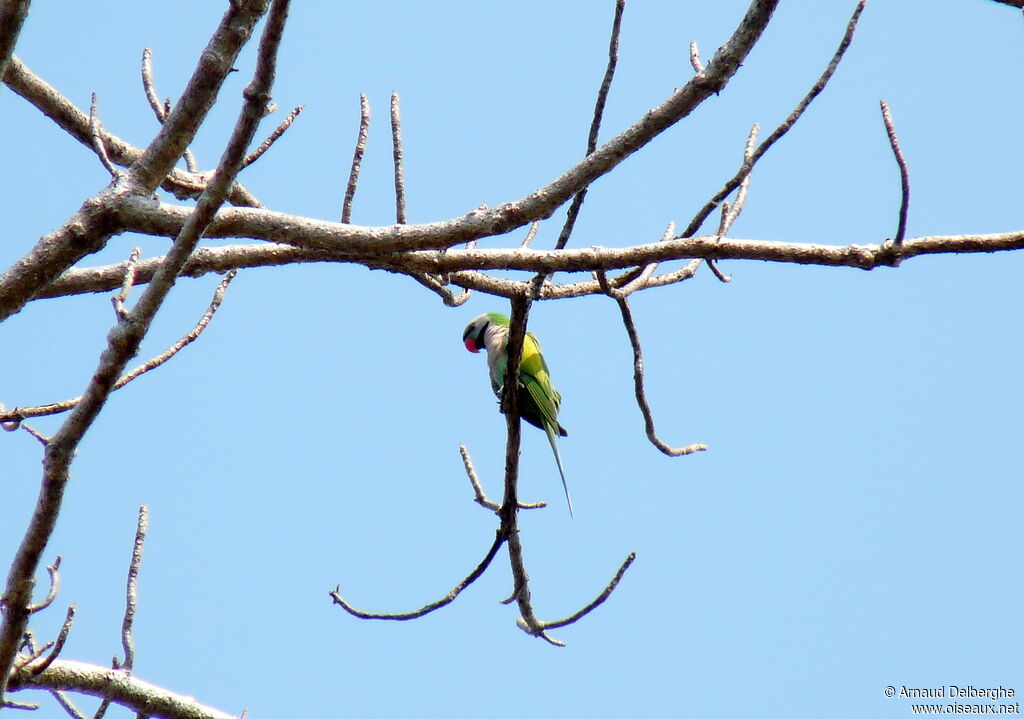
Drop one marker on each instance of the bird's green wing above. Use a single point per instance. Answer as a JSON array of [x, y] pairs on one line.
[[536, 379]]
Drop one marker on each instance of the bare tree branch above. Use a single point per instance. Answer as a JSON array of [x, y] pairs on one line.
[[76, 123], [12, 17], [53, 571], [132, 590], [748, 165], [58, 645], [97, 139], [357, 159], [478, 490], [130, 267], [638, 385], [890, 129], [90, 228], [398, 154], [447, 599], [273, 137], [19, 414], [124, 689], [598, 601], [124, 339], [595, 125], [160, 109]]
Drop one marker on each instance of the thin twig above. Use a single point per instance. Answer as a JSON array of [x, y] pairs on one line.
[[150, 364], [130, 268], [26, 706], [530, 234], [66, 704], [97, 139], [598, 601], [272, 138], [149, 88], [132, 590], [357, 158], [782, 129], [894, 142], [638, 384], [434, 284], [58, 645], [53, 571], [731, 211], [42, 438], [499, 539], [396, 143]]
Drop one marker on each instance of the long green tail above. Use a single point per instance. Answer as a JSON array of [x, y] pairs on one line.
[[558, 460]]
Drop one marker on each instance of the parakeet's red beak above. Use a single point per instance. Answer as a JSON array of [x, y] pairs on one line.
[[471, 345]]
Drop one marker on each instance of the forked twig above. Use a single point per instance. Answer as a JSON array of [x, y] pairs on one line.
[[357, 158], [58, 645], [396, 143], [478, 490], [160, 109], [890, 129], [499, 539]]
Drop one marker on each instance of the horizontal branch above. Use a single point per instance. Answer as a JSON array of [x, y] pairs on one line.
[[223, 259], [864, 257], [123, 689]]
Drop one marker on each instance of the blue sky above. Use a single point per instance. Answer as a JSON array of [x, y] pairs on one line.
[[856, 522]]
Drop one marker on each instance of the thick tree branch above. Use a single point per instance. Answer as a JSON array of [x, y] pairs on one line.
[[123, 689], [90, 228], [180, 126], [12, 17]]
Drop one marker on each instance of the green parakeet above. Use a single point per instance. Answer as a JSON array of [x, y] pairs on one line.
[[538, 400]]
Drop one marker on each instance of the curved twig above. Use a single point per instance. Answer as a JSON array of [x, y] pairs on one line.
[[499, 539], [890, 129], [638, 385], [53, 571], [599, 600], [58, 645]]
